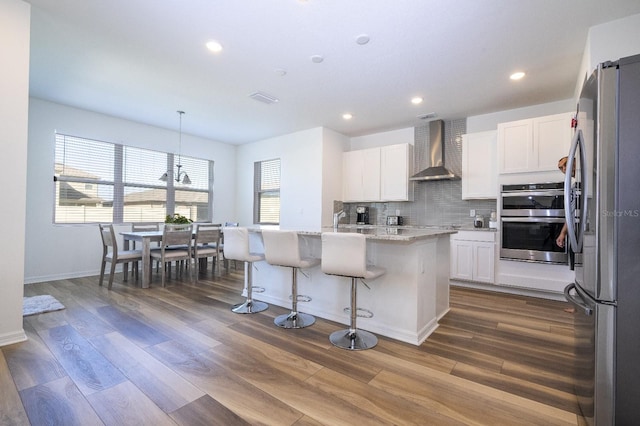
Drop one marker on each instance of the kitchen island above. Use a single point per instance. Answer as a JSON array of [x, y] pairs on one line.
[[406, 302]]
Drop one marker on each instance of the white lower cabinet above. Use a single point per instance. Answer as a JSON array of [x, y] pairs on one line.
[[473, 256]]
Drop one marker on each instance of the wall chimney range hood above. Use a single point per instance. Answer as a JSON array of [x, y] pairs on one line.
[[435, 169]]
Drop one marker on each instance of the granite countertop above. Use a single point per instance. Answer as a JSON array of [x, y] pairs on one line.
[[377, 233]]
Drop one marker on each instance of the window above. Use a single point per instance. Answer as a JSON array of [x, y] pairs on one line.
[[103, 182], [266, 203]]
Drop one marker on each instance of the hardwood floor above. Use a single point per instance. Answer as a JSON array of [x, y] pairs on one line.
[[178, 355]]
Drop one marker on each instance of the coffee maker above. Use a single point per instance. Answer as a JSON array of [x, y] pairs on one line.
[[363, 215]]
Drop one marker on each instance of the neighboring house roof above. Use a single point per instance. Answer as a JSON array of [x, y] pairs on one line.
[[65, 170], [160, 196]]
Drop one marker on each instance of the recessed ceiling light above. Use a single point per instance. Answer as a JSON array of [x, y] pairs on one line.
[[347, 116], [316, 59], [416, 100], [214, 46], [517, 75], [362, 39]]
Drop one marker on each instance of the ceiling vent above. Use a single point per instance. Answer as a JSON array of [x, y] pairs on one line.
[[264, 98]]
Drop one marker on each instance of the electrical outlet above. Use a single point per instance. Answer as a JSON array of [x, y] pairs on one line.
[[472, 213]]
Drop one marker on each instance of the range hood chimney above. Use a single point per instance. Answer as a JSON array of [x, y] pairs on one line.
[[435, 169]]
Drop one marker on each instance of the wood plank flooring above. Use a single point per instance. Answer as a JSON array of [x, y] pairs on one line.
[[179, 356]]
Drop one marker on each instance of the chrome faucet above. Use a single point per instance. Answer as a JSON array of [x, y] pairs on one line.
[[336, 218]]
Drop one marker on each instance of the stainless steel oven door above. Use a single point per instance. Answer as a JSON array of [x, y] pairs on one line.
[[532, 239], [546, 203]]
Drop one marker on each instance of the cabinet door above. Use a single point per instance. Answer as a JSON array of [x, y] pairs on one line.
[[484, 262], [394, 172], [479, 165], [515, 146], [461, 261], [352, 174], [552, 140], [371, 174]]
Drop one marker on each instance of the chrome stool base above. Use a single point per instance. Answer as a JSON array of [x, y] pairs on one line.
[[294, 320], [249, 307], [354, 340]]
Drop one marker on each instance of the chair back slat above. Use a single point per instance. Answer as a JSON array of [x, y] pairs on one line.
[[108, 237], [207, 233], [177, 235], [145, 226]]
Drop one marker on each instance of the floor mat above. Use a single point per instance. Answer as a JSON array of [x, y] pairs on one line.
[[40, 304]]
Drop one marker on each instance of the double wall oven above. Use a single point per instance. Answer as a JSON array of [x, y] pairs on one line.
[[532, 216]]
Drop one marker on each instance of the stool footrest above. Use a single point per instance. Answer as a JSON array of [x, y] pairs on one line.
[[360, 312], [301, 298], [257, 289]]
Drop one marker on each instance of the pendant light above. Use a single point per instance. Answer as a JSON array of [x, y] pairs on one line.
[[180, 176]]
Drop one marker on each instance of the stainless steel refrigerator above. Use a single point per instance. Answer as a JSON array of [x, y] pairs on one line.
[[603, 217]]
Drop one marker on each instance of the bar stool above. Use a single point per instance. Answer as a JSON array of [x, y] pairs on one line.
[[282, 248], [236, 247], [345, 254]]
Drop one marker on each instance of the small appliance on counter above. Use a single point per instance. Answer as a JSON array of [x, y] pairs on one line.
[[394, 221], [362, 215], [493, 221], [478, 222]]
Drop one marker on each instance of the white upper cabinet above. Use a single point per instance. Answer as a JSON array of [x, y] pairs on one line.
[[361, 172], [377, 174], [479, 165], [533, 145], [395, 170]]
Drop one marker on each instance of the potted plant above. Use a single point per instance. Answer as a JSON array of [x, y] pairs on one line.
[[177, 219]]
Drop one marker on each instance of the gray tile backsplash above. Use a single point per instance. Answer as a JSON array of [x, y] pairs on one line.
[[435, 202]]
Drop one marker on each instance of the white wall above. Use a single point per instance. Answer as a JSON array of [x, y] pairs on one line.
[[392, 137], [300, 155], [609, 42], [334, 144], [75, 250], [15, 25], [485, 122]]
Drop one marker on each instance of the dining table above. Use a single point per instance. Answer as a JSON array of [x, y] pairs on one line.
[[146, 238]]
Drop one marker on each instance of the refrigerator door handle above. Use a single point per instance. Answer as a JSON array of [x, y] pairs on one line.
[[576, 300], [575, 238]]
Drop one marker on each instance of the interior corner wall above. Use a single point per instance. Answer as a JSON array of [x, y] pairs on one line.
[[609, 42], [300, 177], [75, 250], [333, 146], [15, 23]]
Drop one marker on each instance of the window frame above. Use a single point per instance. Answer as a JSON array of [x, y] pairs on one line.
[[119, 185], [259, 192]]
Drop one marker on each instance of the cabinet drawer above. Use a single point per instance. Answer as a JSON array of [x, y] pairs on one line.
[[488, 236]]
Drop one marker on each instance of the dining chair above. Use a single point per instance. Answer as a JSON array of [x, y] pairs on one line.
[[206, 244], [174, 247], [111, 253], [142, 227]]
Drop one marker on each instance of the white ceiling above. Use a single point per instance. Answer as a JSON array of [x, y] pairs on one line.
[[142, 60]]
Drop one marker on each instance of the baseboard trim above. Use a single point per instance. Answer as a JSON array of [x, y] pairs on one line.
[[511, 290]]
